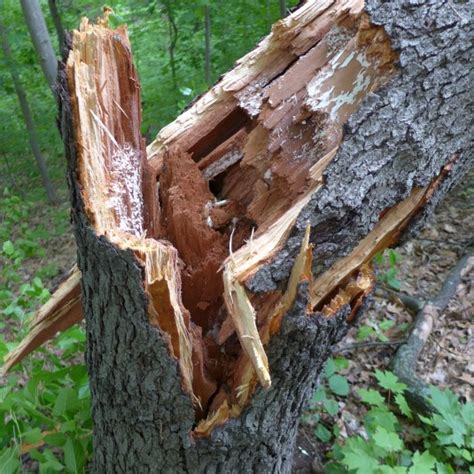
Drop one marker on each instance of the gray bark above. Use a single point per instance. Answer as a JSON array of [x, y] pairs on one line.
[[283, 11], [400, 138], [41, 40], [25, 109], [55, 15], [207, 45]]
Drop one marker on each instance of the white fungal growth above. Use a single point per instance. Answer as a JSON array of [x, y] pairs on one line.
[[126, 191], [251, 100], [268, 175]]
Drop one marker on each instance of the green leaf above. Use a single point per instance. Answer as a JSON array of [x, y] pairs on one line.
[[339, 385], [66, 401], [8, 248], [402, 404], [319, 395], [360, 462], [334, 468], [467, 413], [422, 463], [55, 439], [365, 332], [330, 368], [394, 283], [391, 470], [386, 324], [393, 257], [322, 433], [380, 416], [371, 397], [37, 283], [389, 381], [73, 456], [33, 436], [10, 460], [444, 401], [331, 406], [50, 463], [379, 258], [341, 363], [442, 468], [426, 420], [387, 440]]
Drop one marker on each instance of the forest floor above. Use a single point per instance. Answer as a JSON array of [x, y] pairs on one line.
[[447, 359]]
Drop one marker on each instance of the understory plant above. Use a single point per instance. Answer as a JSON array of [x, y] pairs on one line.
[[394, 439], [45, 420]]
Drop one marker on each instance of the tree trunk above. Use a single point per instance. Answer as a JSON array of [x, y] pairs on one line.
[[220, 266], [53, 8], [41, 40], [25, 109], [173, 39], [207, 45], [282, 4]]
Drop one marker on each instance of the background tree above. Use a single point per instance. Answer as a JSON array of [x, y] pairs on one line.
[[207, 47], [29, 124], [56, 16], [41, 40]]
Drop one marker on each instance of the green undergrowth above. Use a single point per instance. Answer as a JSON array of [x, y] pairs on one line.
[[45, 401], [386, 435], [391, 437]]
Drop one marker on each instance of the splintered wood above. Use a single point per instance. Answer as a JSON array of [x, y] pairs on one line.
[[216, 195]]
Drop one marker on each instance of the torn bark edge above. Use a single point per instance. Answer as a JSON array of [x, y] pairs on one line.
[[405, 360]]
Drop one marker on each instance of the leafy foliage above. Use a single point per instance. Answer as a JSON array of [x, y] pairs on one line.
[[395, 440], [324, 404], [44, 405], [387, 262], [167, 85]]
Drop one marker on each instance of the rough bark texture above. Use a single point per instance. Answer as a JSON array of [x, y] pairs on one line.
[[401, 138]]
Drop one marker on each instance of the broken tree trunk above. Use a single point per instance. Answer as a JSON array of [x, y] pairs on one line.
[[221, 264]]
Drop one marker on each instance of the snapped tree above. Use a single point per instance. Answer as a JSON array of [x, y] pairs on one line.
[[220, 264]]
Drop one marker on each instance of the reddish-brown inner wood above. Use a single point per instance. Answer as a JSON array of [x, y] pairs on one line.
[[237, 179]]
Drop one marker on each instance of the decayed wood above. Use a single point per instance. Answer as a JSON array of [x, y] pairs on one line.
[[220, 266]]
